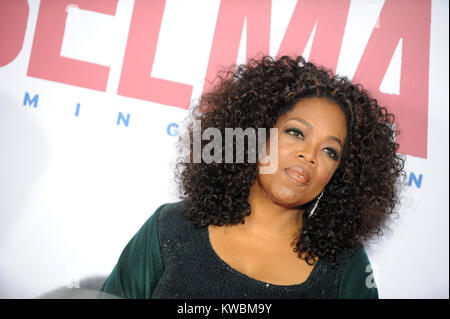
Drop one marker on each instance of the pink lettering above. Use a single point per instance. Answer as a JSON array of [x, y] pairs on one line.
[[45, 60], [13, 23], [227, 35], [330, 17], [136, 80], [401, 20]]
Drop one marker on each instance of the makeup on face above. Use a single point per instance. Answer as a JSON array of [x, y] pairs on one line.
[[310, 144]]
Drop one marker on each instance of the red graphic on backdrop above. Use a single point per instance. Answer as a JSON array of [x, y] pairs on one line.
[[13, 23], [330, 17], [227, 35], [398, 20], [46, 61], [139, 56]]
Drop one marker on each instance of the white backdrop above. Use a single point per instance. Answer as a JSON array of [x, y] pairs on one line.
[[84, 164]]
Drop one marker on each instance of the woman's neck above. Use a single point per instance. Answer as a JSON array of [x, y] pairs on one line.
[[271, 219]]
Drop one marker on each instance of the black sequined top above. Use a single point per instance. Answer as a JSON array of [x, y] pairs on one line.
[[171, 258]]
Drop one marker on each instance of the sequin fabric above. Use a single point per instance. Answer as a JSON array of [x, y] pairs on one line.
[[192, 269]]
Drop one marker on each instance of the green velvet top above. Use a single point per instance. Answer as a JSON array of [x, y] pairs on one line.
[[170, 258]]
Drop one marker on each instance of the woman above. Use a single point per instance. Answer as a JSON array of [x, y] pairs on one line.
[[297, 232]]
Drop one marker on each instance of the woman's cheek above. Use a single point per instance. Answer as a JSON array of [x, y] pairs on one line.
[[285, 150], [326, 173]]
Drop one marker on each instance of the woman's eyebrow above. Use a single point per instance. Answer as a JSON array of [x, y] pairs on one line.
[[308, 125], [334, 138], [305, 122]]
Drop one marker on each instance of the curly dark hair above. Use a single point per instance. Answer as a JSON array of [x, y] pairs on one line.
[[362, 194]]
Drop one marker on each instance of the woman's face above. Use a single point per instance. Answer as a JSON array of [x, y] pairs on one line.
[[311, 138]]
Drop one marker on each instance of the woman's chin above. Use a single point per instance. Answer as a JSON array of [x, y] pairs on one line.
[[285, 196]]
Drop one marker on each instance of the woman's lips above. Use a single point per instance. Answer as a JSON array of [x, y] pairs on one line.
[[298, 174]]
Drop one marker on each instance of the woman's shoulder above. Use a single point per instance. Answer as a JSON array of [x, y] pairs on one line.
[[171, 220], [170, 210], [349, 255], [357, 279]]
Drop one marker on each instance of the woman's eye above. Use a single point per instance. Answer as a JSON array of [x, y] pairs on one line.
[[332, 153], [294, 132]]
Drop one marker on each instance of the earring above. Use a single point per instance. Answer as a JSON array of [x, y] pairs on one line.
[[315, 205]]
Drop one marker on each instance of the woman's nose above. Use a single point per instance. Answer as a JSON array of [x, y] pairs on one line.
[[308, 155]]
